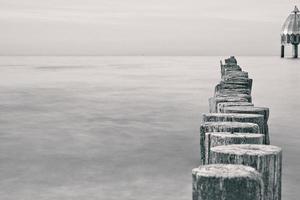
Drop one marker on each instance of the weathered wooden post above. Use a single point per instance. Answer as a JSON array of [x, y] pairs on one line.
[[232, 127], [225, 138], [238, 81], [234, 85], [221, 106], [231, 86], [232, 136], [236, 74], [252, 110], [244, 96], [282, 51], [228, 182], [213, 102], [248, 110], [233, 91], [235, 117], [266, 159], [229, 67]]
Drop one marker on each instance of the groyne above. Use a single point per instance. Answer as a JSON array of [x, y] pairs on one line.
[[236, 159]]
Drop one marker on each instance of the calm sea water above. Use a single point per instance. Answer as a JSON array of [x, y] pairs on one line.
[[115, 128]]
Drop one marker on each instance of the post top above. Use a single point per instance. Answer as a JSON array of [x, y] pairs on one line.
[[247, 108], [235, 135], [247, 149], [226, 171], [230, 124], [233, 115]]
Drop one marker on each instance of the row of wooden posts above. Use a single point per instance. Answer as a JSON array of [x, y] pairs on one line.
[[237, 160]]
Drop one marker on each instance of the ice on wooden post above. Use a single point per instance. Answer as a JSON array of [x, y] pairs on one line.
[[232, 127], [252, 110], [221, 106], [230, 182], [213, 139], [236, 117], [266, 159], [214, 101]]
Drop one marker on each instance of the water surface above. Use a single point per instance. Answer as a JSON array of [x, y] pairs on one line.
[[115, 128]]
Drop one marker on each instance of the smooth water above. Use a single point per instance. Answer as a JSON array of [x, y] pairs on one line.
[[115, 128]]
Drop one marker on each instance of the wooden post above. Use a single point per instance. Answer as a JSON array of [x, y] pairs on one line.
[[233, 117], [245, 96], [237, 74], [229, 67], [266, 159], [224, 138], [213, 101], [221, 106], [232, 127], [228, 182], [252, 110], [230, 77], [282, 51], [233, 91], [295, 50], [223, 85]]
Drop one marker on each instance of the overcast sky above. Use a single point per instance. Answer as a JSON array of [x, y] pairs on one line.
[[142, 27]]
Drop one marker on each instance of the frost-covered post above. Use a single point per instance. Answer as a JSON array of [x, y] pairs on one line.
[[214, 101], [221, 106], [233, 91], [213, 139], [232, 127], [228, 182], [252, 110], [266, 159], [236, 117]]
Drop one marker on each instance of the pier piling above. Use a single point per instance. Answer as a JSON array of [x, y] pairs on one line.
[[266, 159], [213, 182]]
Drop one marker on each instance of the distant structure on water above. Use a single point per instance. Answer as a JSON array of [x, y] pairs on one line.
[[290, 32]]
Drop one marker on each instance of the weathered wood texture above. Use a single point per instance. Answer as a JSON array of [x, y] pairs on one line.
[[225, 138], [244, 96], [233, 91], [237, 117], [227, 182], [214, 101], [231, 77], [221, 106], [236, 74], [266, 159], [238, 81], [232, 127], [232, 85], [252, 110], [226, 68]]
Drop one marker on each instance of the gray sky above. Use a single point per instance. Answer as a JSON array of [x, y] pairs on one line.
[[142, 27]]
